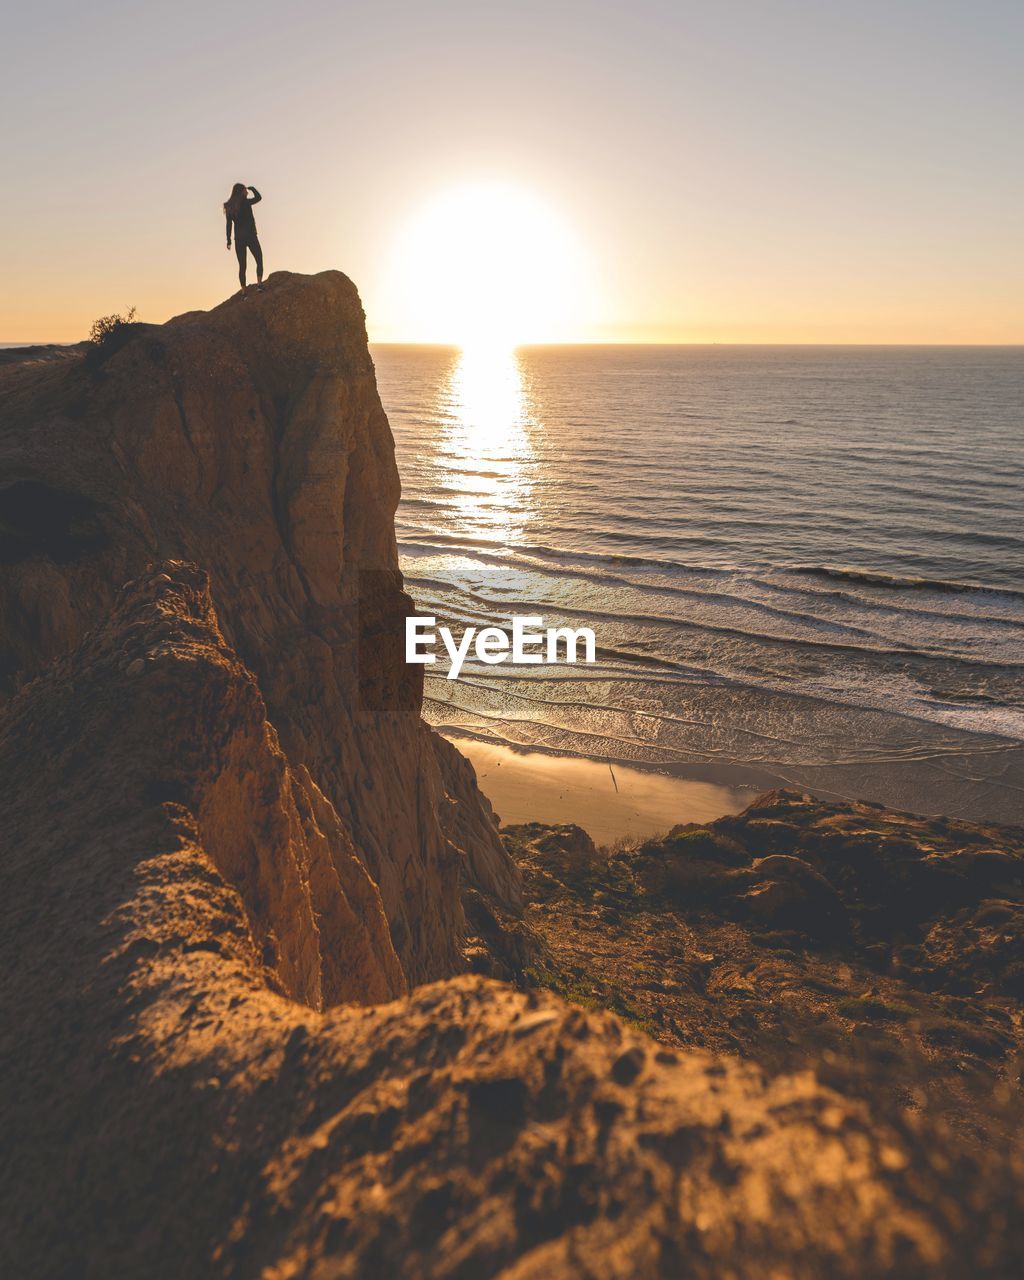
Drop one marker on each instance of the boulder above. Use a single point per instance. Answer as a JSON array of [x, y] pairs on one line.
[[790, 894]]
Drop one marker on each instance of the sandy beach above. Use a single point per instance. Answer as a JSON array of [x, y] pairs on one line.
[[611, 802]]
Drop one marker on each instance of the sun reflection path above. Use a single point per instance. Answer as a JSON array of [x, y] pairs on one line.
[[486, 452]]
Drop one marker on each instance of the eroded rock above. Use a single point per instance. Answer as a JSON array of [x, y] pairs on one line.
[[251, 440], [167, 1110]]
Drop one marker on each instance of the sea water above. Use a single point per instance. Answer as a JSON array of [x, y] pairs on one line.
[[803, 565]]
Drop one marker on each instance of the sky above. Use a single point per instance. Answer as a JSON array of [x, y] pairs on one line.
[[565, 170]]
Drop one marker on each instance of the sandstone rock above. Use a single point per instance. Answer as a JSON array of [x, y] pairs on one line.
[[251, 440], [182, 731], [168, 1111], [470, 823]]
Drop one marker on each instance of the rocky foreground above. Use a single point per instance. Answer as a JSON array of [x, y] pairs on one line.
[[883, 950], [242, 884]]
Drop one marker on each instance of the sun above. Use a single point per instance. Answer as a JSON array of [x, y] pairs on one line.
[[486, 266]]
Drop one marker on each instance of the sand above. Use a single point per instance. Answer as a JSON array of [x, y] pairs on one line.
[[610, 802]]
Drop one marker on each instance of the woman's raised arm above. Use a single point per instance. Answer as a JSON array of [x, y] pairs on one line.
[[256, 197]]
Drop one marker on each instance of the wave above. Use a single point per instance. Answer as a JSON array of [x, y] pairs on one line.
[[901, 582], [896, 700], [485, 607], [896, 607], [440, 543], [844, 633], [513, 553]]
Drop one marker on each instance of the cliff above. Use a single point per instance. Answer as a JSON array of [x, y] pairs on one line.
[[241, 880], [251, 440]]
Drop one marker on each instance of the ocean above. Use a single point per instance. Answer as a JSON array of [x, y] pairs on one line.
[[804, 565]]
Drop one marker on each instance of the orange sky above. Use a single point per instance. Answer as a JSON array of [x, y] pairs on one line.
[[694, 173]]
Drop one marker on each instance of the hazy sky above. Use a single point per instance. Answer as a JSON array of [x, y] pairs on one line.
[[732, 171]]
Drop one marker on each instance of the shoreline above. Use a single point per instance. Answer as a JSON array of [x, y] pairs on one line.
[[540, 785], [609, 800]]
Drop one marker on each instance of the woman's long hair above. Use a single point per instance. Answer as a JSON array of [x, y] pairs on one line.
[[236, 199]]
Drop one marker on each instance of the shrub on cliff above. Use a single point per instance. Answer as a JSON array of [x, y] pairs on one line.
[[108, 335], [691, 865]]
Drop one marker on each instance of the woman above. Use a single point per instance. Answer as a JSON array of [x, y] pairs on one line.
[[238, 210]]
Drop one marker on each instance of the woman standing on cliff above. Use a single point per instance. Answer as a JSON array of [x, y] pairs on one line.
[[238, 210]]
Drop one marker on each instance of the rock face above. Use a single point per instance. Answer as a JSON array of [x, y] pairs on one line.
[[168, 1111], [181, 731], [251, 441]]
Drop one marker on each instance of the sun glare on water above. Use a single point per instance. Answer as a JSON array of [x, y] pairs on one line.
[[487, 267], [485, 447]]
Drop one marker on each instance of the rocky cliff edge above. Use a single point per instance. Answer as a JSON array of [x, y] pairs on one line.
[[251, 441]]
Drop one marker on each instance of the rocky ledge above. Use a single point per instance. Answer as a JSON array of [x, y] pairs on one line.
[[251, 440]]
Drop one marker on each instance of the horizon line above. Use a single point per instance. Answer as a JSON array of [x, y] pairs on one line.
[[629, 342], [588, 342]]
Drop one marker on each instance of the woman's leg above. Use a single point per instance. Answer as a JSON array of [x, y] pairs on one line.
[[257, 253], [240, 255]]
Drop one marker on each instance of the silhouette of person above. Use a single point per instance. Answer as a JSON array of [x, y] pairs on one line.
[[238, 211]]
